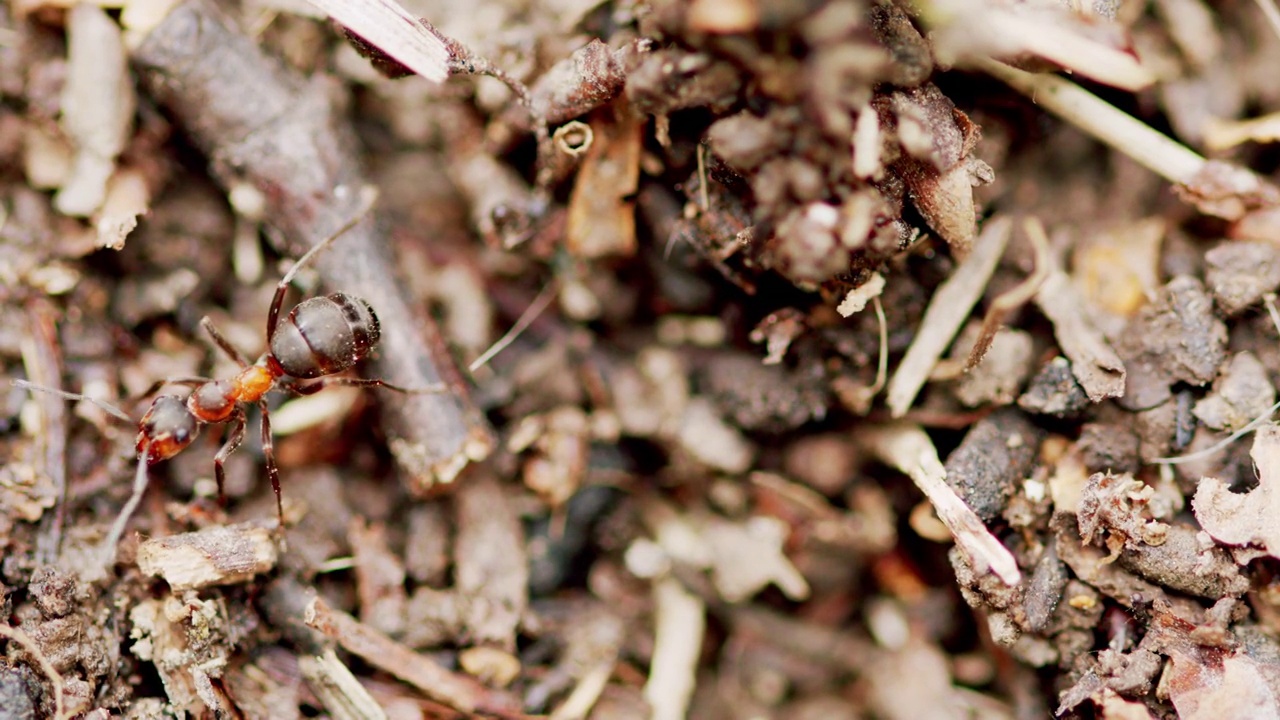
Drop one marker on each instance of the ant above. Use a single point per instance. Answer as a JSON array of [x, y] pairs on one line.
[[319, 337]]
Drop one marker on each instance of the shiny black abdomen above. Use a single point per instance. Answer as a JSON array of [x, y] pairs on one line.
[[325, 335]]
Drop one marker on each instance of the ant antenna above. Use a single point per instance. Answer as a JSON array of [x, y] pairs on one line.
[[139, 479], [368, 196], [72, 396]]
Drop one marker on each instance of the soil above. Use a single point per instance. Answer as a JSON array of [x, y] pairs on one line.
[[681, 358]]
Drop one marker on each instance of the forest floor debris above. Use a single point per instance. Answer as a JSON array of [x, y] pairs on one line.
[[832, 359]]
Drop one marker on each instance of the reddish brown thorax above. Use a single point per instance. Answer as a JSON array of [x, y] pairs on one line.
[[215, 401]]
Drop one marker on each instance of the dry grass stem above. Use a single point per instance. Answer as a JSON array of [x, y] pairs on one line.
[[907, 448], [948, 308], [1168, 158]]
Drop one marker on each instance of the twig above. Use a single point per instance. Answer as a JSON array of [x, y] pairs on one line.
[[463, 60], [394, 31], [1268, 8], [55, 678], [438, 683], [1016, 297], [950, 305], [338, 689], [281, 135]]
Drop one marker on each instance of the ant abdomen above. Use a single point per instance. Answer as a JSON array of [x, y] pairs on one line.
[[325, 335]]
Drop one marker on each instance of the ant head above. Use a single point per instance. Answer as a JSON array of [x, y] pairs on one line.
[[166, 429]]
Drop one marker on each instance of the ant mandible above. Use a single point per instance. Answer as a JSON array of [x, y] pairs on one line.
[[319, 337]]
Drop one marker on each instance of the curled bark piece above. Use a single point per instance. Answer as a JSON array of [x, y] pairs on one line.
[[280, 134]]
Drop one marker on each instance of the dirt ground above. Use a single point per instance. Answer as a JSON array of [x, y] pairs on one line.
[[792, 359]]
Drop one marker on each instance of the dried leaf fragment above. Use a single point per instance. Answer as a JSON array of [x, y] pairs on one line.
[[1251, 518], [1205, 680]]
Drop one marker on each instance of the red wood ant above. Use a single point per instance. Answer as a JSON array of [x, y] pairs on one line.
[[319, 337]]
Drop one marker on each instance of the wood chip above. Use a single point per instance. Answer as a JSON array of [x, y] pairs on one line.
[[98, 104], [490, 562], [681, 622], [223, 555], [338, 689]]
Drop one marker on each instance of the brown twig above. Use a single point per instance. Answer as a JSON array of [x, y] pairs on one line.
[[438, 683]]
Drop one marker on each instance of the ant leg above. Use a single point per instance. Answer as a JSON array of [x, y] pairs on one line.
[[233, 442], [224, 344], [122, 520], [324, 382], [368, 195], [273, 471]]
